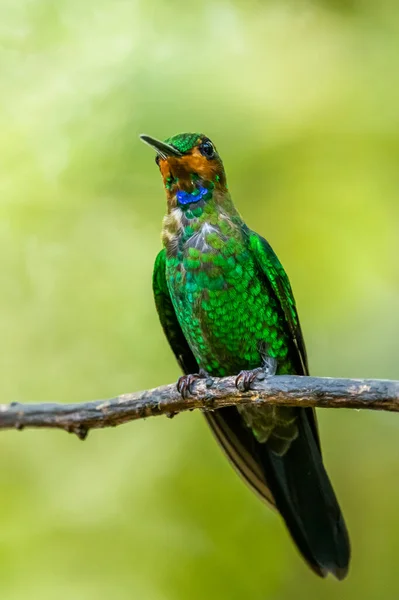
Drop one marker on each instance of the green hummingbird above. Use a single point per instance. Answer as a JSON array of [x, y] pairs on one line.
[[226, 306]]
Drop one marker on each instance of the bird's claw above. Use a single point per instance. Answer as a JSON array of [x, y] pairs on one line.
[[185, 382], [245, 378]]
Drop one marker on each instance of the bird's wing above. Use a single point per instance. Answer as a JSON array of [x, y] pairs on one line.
[[273, 270], [168, 318]]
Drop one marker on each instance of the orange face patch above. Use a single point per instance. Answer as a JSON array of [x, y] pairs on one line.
[[182, 168]]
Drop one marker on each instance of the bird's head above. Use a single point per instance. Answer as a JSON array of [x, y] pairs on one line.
[[191, 169]]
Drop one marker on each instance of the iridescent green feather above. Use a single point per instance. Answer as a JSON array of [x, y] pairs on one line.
[[184, 142]]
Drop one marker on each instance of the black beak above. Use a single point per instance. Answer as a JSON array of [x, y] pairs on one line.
[[163, 150]]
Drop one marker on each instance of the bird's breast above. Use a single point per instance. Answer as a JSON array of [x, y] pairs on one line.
[[216, 296]]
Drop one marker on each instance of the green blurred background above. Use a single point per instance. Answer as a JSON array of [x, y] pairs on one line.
[[301, 99]]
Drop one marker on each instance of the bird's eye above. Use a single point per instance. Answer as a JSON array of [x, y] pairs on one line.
[[207, 149], [157, 158]]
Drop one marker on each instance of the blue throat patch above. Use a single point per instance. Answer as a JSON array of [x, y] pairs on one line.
[[195, 196]]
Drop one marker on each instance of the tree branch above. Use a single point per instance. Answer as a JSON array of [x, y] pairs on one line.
[[285, 390]]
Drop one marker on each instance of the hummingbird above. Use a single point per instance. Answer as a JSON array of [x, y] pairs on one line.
[[226, 306]]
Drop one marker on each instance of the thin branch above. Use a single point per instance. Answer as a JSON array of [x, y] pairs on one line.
[[286, 390]]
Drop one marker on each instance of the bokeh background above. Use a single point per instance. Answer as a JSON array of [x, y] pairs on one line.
[[302, 101]]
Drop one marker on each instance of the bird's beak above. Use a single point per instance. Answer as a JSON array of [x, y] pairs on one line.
[[163, 150]]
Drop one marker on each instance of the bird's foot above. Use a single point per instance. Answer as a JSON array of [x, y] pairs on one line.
[[245, 378], [185, 382]]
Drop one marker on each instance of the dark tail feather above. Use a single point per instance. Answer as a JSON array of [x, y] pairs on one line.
[[299, 485], [306, 500]]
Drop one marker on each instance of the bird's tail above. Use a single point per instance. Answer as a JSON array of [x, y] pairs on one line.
[[296, 483]]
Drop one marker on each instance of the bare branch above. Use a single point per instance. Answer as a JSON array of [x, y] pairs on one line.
[[287, 390]]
